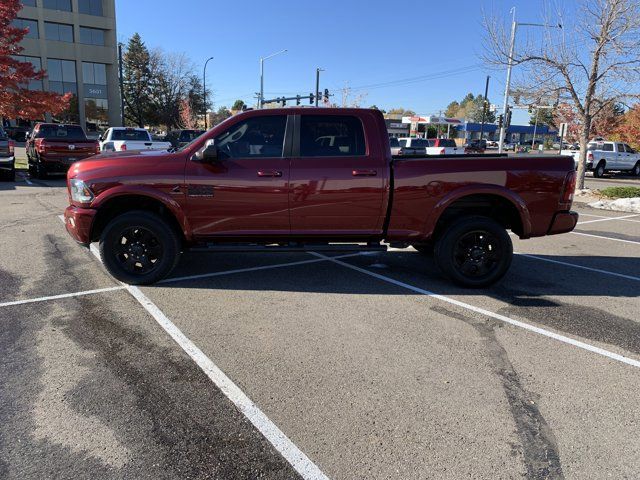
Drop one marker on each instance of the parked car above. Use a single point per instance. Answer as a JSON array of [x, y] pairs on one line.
[[120, 139], [53, 147], [411, 146], [179, 138], [7, 157], [431, 146], [604, 156], [18, 134], [398, 150], [263, 180], [475, 146], [492, 144]]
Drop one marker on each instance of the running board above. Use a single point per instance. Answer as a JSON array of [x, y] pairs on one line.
[[290, 247]]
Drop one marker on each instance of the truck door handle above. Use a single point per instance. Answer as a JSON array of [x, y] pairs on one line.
[[364, 173], [269, 173]]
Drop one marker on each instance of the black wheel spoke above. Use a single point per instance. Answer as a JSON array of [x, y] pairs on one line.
[[475, 254], [138, 250]]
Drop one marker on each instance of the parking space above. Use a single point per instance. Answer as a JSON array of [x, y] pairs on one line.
[[279, 365]]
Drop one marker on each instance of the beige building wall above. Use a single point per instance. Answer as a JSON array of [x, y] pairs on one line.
[[79, 52]]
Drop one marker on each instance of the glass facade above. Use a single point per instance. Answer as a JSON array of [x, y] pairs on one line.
[[96, 106], [90, 7], [97, 112], [32, 25], [62, 76], [92, 36], [29, 3]]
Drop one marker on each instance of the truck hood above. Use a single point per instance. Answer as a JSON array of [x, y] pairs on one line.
[[109, 169]]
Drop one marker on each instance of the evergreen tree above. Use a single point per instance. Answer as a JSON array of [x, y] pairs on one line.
[[137, 82]]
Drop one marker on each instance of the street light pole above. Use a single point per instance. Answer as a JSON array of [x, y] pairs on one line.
[[505, 105], [262, 59], [204, 91], [485, 106], [318, 70]]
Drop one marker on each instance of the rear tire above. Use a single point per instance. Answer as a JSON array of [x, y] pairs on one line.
[[139, 248], [474, 252], [598, 172], [10, 176], [39, 170]]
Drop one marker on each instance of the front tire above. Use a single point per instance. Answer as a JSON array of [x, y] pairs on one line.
[[636, 170], [139, 248], [474, 252], [598, 172]]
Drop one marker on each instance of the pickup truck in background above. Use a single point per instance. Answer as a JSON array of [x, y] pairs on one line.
[[179, 138], [7, 157], [431, 146], [269, 180], [603, 157], [120, 139], [53, 147]]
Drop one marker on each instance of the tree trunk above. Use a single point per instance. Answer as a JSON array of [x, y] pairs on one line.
[[584, 140]]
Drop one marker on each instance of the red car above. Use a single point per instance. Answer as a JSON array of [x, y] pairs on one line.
[[313, 179], [53, 147]]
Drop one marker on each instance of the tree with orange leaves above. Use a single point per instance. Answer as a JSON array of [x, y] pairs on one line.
[[629, 129], [16, 100]]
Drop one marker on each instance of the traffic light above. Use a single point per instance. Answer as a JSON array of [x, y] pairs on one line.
[[507, 121], [500, 121], [284, 101], [326, 94], [297, 99], [311, 98]]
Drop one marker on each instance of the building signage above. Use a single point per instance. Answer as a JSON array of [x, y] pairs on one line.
[[95, 91], [433, 119], [397, 125]]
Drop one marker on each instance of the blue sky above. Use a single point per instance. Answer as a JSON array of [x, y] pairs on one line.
[[358, 43]]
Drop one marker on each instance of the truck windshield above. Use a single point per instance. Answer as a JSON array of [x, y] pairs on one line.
[[131, 135]]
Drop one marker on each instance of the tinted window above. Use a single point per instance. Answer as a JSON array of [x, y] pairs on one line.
[[58, 31], [393, 142], [629, 149], [130, 135], [447, 143], [90, 7], [329, 135], [63, 132], [32, 25], [256, 137], [607, 147], [620, 147], [64, 5], [91, 36], [403, 143]]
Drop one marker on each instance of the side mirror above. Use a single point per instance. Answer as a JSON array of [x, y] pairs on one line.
[[207, 154]]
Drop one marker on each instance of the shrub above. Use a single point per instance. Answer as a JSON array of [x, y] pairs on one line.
[[621, 192]]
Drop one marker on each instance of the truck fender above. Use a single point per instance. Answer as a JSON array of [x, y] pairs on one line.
[[170, 203], [512, 197]]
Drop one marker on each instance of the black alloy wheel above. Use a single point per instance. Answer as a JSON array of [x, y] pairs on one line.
[[138, 250]]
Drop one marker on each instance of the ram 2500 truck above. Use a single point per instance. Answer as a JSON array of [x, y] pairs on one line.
[[270, 180]]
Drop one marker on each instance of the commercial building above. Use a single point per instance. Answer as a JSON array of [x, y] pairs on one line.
[[75, 42], [395, 127]]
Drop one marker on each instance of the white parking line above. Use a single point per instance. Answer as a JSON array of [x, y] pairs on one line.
[[497, 316], [64, 295], [291, 453], [581, 267], [608, 218], [605, 238]]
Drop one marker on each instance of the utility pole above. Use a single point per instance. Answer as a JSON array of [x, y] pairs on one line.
[[262, 59], [204, 91], [514, 26], [535, 129], [485, 106], [318, 70], [121, 83]]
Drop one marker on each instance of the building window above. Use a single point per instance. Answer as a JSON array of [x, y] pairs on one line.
[[90, 7], [64, 5], [29, 3], [94, 73], [62, 76], [37, 66], [92, 36], [58, 31], [32, 25], [96, 111]]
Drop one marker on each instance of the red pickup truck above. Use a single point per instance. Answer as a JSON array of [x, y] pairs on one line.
[[313, 179]]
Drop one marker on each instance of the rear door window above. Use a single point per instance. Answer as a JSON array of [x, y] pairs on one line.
[[331, 136], [607, 147]]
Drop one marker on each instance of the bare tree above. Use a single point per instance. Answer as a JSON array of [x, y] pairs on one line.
[[592, 62]]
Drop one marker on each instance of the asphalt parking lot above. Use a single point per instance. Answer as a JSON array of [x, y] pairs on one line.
[[304, 365]]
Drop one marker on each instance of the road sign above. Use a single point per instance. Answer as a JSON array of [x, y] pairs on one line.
[[562, 133]]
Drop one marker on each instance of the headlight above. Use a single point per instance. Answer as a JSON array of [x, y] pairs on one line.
[[79, 191]]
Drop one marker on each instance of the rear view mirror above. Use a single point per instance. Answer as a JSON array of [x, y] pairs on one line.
[[208, 153]]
